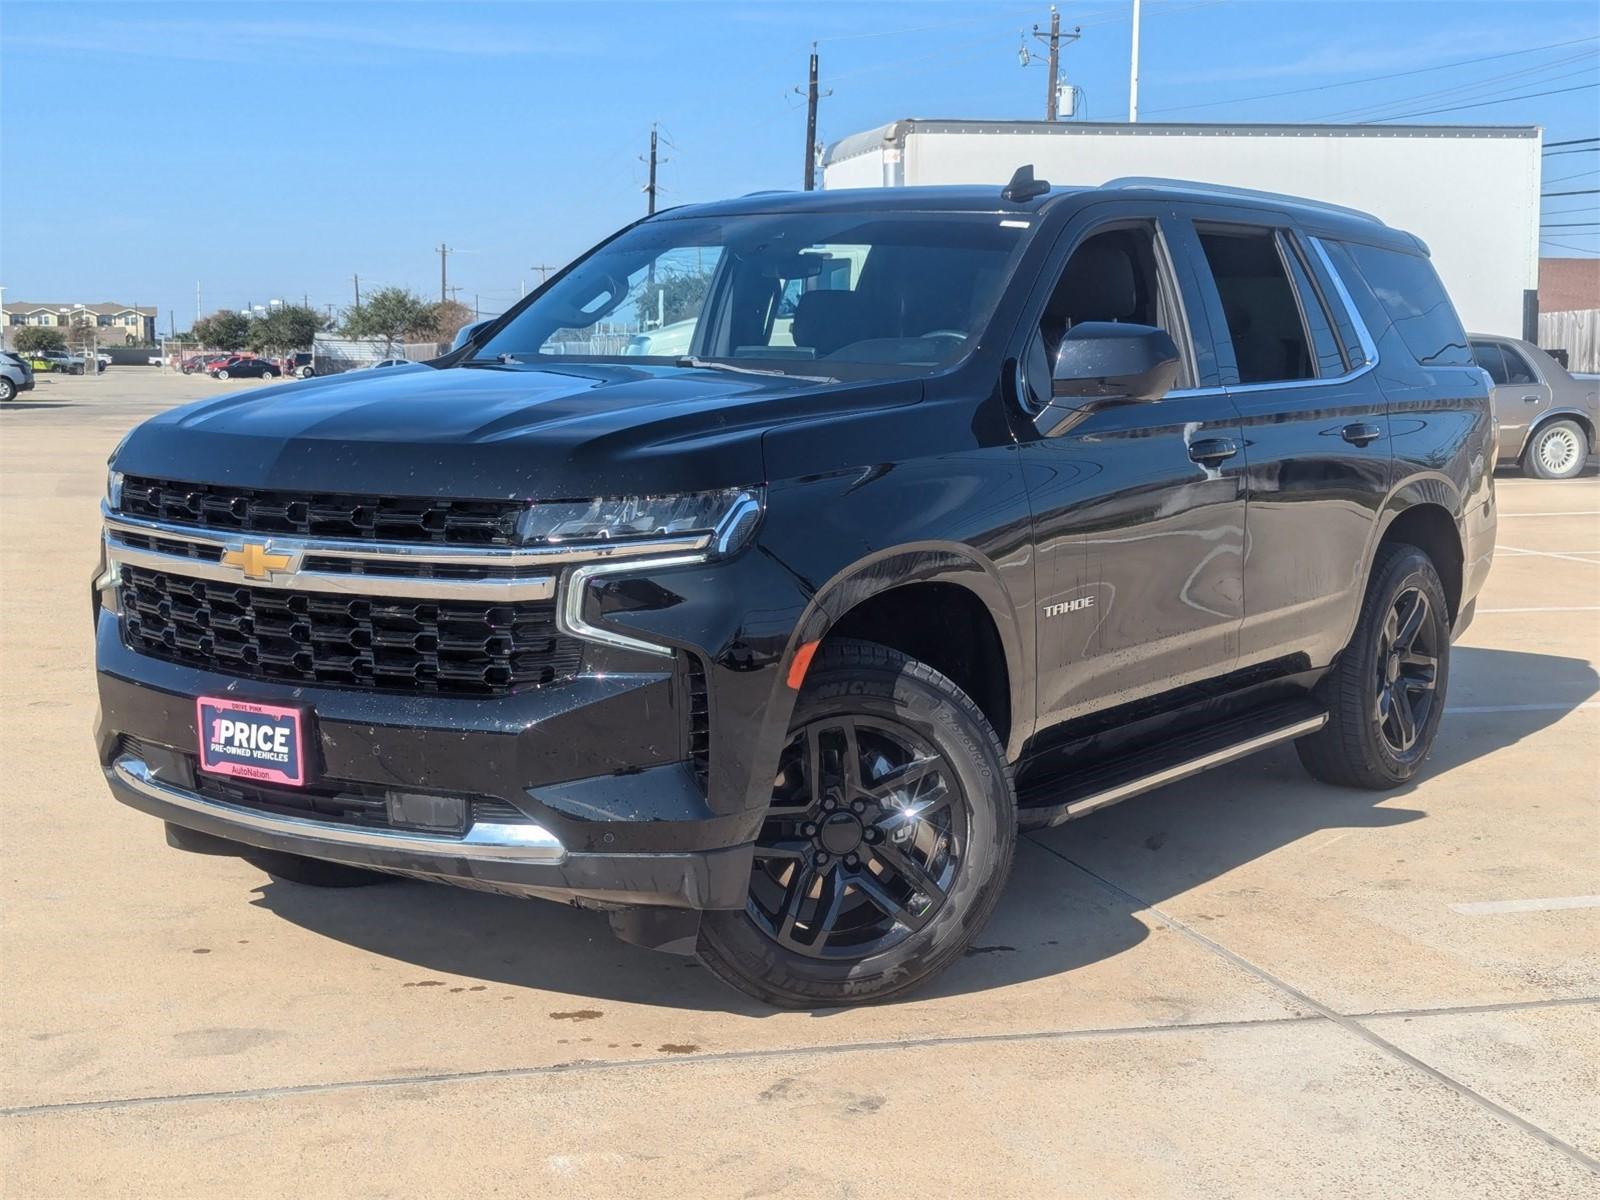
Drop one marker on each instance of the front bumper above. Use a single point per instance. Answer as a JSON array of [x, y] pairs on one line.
[[518, 859]]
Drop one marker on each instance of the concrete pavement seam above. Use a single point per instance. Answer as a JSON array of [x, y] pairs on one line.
[[599, 1065], [1461, 1010], [1349, 1023]]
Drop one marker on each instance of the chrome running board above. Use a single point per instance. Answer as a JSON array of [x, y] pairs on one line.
[[1057, 801]]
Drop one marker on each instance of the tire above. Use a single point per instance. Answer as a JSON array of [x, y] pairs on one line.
[[75, 371], [1368, 742], [8, 390], [312, 872], [305, 372], [219, 374], [932, 804], [1556, 450]]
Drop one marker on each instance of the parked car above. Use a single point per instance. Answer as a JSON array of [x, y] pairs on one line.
[[246, 367], [300, 364], [16, 375], [1546, 417], [61, 361], [669, 341], [768, 653]]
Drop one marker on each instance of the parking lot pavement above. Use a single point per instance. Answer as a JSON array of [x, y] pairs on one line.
[[1245, 984]]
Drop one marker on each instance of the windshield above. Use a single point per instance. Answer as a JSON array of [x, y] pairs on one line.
[[780, 292]]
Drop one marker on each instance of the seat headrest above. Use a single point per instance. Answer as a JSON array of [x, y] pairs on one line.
[[825, 320], [1098, 285]]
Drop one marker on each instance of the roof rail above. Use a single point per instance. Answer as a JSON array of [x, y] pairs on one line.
[[1157, 183]]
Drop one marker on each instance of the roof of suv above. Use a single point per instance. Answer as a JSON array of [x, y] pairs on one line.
[[1332, 218]]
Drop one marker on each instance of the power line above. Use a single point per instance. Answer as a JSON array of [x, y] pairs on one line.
[[1477, 88], [1579, 192], [1572, 142], [1574, 175], [1579, 150], [1428, 112], [1323, 87], [1569, 224]]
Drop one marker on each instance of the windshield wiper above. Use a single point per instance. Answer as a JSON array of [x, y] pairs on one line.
[[708, 364]]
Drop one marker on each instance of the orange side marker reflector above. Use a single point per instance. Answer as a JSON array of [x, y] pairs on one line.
[[802, 663]]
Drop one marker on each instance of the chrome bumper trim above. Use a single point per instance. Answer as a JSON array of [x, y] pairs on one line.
[[499, 843]]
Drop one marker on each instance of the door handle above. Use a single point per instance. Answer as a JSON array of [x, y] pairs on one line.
[[1213, 450], [1361, 433], [1532, 399]]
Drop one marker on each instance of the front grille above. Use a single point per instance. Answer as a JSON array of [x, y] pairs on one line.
[[465, 647], [318, 514]]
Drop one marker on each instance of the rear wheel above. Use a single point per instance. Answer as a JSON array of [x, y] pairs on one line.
[[8, 390], [888, 840], [1386, 693], [1556, 451], [221, 374], [305, 372]]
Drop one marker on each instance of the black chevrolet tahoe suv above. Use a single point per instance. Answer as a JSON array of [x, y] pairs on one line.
[[944, 513]]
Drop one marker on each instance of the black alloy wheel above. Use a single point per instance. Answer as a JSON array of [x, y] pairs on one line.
[[887, 841], [865, 834], [1407, 670], [1385, 692]]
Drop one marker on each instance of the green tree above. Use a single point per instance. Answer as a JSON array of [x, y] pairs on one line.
[[286, 327], [35, 339], [222, 330], [391, 315]]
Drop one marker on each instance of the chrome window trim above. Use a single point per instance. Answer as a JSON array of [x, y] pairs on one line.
[[483, 842], [569, 612], [1369, 348]]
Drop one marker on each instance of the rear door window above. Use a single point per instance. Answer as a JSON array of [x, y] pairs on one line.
[[1263, 312], [1518, 369], [1487, 355]]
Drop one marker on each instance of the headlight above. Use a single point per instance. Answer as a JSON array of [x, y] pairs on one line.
[[729, 516], [114, 490]]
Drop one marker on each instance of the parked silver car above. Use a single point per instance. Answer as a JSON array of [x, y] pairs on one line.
[[16, 375], [1547, 418]]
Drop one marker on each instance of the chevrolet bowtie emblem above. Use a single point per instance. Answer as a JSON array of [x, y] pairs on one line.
[[256, 561]]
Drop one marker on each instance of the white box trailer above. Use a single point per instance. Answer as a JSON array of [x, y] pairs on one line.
[[1470, 192]]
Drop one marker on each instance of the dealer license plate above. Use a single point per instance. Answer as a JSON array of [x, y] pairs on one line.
[[251, 741]]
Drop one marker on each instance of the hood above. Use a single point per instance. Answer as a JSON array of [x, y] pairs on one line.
[[561, 431]]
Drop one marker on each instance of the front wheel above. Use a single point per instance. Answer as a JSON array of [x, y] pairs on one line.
[[1385, 694], [8, 390], [305, 372], [221, 375], [888, 839], [1556, 451]]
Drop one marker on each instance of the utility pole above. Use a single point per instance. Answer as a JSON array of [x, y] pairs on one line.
[[197, 313], [650, 188], [1053, 40], [356, 280], [812, 96], [444, 253], [544, 270], [1133, 70]]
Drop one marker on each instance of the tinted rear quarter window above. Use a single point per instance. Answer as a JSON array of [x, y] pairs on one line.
[[1408, 288], [1517, 368]]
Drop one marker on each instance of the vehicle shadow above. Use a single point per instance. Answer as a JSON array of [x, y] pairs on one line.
[[1051, 919]]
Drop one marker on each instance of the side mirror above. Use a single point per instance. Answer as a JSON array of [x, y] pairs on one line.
[[1102, 360], [467, 332]]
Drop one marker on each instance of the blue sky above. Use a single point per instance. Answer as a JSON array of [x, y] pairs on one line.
[[274, 150]]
